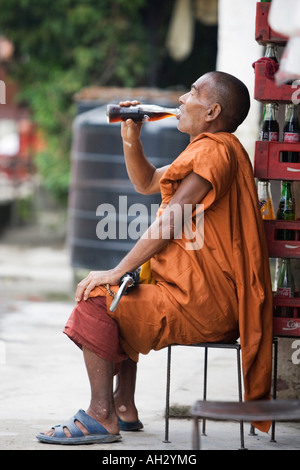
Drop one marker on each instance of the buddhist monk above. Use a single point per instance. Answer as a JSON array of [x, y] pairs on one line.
[[217, 289]]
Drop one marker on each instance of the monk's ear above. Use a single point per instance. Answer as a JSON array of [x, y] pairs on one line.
[[213, 112]]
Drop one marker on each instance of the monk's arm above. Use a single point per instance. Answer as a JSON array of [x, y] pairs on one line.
[[143, 175], [192, 190]]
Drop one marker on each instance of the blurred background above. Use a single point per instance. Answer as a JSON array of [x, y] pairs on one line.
[[61, 63]]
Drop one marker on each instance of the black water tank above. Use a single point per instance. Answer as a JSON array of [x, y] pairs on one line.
[[98, 176]]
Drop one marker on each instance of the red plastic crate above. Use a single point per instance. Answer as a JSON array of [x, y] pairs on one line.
[[286, 327], [266, 90], [289, 326], [263, 32], [282, 248], [267, 164]]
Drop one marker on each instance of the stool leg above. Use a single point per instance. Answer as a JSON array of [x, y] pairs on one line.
[[204, 388], [167, 414], [238, 352], [196, 435], [275, 352]]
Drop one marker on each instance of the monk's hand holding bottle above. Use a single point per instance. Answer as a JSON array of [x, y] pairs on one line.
[[130, 130]]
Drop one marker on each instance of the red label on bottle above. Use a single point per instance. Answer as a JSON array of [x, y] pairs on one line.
[[285, 292], [291, 137], [273, 136]]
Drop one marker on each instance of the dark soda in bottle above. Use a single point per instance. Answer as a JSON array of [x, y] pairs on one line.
[[139, 113], [269, 128], [291, 132]]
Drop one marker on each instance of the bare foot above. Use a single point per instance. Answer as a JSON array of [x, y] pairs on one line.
[[126, 412], [110, 424], [82, 428]]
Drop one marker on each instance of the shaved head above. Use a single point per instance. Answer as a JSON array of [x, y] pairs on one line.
[[231, 94]]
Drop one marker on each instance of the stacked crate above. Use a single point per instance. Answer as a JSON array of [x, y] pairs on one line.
[[267, 166]]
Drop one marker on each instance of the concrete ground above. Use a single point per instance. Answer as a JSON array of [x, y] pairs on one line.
[[44, 382]]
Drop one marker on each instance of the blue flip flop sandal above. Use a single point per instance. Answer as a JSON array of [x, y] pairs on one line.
[[97, 433], [130, 425]]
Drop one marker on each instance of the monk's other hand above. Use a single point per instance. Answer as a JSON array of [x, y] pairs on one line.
[[94, 279]]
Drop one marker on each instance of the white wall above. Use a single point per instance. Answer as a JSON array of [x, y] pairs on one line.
[[237, 50]]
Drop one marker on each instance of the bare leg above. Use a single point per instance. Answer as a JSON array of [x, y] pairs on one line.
[[101, 408], [124, 393]]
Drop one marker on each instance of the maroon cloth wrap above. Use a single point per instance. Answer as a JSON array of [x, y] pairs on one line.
[[271, 66], [90, 326]]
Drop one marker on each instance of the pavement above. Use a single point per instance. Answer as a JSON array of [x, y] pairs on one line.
[[44, 381]]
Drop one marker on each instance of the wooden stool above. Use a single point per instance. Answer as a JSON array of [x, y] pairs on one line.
[[262, 410]]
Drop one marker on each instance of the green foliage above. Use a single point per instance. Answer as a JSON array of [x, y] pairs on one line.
[[63, 46]]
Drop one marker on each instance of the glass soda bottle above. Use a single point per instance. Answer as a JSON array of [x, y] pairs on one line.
[[269, 128], [286, 210], [285, 288], [291, 132], [271, 51], [265, 200], [139, 113]]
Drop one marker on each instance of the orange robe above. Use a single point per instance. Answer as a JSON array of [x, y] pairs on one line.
[[217, 293]]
